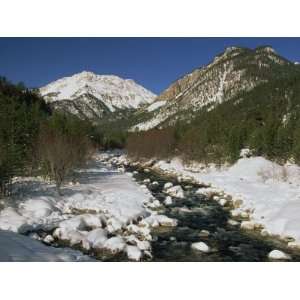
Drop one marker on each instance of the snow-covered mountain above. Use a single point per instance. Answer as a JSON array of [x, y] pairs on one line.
[[91, 96], [234, 71]]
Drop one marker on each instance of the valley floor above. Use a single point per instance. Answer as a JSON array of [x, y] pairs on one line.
[[106, 213]]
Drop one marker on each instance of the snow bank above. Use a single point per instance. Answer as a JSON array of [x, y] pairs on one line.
[[103, 192], [11, 220], [270, 191], [104, 202]]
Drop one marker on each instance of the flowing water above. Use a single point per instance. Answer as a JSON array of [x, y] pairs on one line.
[[196, 213]]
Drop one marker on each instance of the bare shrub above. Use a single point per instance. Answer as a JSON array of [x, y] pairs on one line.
[[60, 153], [155, 143]]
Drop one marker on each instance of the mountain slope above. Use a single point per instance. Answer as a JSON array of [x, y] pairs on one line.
[[92, 96], [244, 99], [232, 72]]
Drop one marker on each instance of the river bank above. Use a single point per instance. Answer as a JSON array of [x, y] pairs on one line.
[[238, 214]]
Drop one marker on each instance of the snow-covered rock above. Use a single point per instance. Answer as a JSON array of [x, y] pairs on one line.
[[233, 222], [200, 246], [37, 208], [97, 238], [133, 253], [113, 225], [167, 185], [142, 231], [278, 255], [74, 223], [249, 225], [114, 244], [159, 220], [168, 200], [48, 239], [72, 236], [236, 212], [13, 221], [265, 232], [209, 191], [223, 202], [294, 245], [175, 191], [204, 233], [246, 152], [154, 204]]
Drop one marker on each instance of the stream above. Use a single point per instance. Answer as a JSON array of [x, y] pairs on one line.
[[200, 219], [203, 219]]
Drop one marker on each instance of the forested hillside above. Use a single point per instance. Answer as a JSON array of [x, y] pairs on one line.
[[36, 141], [265, 118]]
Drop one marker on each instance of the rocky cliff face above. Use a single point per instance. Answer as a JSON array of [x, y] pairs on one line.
[[92, 96], [236, 70]]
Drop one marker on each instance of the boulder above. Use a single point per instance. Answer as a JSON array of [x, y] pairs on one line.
[[201, 246], [278, 255]]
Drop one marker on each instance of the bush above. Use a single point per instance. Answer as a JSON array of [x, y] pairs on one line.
[[63, 146], [155, 143]]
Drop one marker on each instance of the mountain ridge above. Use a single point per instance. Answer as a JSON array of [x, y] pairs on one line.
[[235, 70]]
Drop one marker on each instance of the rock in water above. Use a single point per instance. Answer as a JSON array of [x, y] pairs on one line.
[[201, 246], [168, 200], [204, 233], [278, 255], [168, 185]]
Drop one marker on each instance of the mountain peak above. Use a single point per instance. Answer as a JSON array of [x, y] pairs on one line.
[[85, 74], [266, 49], [231, 49], [109, 92]]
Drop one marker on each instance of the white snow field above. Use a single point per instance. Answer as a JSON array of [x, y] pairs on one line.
[[17, 248], [268, 191], [104, 201]]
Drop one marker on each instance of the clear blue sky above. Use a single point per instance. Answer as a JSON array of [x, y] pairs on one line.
[[152, 62]]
